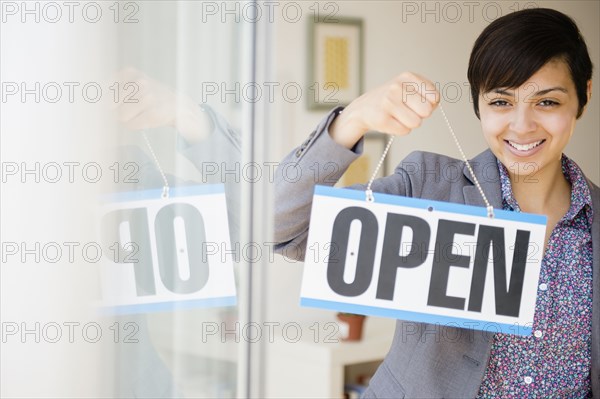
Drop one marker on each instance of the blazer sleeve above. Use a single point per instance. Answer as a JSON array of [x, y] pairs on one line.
[[318, 160]]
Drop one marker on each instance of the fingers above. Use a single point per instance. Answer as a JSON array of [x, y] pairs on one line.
[[419, 94], [409, 99], [147, 117], [148, 111], [397, 107], [153, 104]]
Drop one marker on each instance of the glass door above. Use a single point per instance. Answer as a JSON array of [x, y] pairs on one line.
[[125, 201]]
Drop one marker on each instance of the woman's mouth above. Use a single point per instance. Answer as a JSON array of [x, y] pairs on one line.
[[524, 148]]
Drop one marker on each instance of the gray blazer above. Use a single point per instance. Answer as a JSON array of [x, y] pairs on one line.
[[425, 361]]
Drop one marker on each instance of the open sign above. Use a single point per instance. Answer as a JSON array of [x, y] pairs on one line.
[[155, 250], [422, 260]]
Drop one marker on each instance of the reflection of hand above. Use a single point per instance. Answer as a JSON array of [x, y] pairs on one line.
[[155, 105], [397, 107]]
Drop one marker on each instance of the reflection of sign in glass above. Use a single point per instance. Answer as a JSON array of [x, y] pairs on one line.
[[158, 252], [422, 260]]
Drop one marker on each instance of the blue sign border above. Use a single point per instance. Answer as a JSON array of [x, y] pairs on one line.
[[420, 203], [180, 191], [470, 324], [168, 306]]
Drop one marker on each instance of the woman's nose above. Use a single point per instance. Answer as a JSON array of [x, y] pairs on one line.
[[523, 119]]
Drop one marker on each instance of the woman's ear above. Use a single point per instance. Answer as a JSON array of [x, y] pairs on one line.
[[589, 97]]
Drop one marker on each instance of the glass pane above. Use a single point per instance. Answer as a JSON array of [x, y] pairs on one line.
[[172, 56], [121, 200]]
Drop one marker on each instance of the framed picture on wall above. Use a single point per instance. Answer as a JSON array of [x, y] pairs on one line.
[[335, 61], [361, 170]]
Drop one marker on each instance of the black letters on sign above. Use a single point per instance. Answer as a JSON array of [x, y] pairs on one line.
[[137, 220], [166, 247], [390, 257], [508, 301], [441, 269], [365, 253]]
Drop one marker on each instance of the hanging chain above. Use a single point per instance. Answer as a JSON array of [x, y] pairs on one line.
[[369, 192], [165, 191], [490, 209]]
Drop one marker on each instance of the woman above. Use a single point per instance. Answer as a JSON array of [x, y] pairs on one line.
[[530, 76]]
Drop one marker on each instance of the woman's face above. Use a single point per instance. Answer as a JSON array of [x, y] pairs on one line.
[[528, 127]]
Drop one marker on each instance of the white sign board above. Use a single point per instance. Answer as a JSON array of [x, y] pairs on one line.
[[157, 253], [422, 260]]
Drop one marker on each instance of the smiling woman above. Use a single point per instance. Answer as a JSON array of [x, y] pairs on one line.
[[527, 129], [530, 76], [556, 104]]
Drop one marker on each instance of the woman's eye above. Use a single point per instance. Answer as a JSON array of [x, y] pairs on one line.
[[548, 103], [499, 103]]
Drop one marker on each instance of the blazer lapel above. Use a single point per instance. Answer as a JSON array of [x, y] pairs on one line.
[[485, 168]]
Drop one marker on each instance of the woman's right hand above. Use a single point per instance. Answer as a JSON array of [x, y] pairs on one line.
[[156, 104], [396, 108]]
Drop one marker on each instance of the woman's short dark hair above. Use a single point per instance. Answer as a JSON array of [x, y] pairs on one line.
[[513, 47]]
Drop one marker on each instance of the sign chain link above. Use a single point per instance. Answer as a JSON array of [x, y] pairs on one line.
[[369, 192], [165, 191]]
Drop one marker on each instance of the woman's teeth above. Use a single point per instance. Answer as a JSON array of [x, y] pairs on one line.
[[525, 147]]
